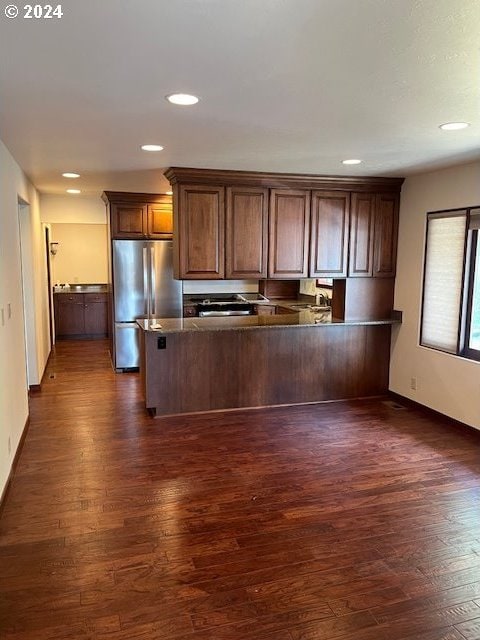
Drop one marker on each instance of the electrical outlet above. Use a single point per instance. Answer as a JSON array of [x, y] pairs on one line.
[[9, 445], [9, 310], [413, 384]]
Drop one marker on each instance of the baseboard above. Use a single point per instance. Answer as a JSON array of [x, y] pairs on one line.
[[436, 415], [13, 468]]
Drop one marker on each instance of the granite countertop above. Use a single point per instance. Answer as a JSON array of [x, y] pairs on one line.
[[302, 318], [82, 288]]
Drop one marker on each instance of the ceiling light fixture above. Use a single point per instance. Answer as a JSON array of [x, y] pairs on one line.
[[152, 147], [68, 174], [351, 161], [454, 126], [184, 99], [73, 191]]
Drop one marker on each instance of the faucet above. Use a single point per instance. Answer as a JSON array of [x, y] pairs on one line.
[[321, 300]]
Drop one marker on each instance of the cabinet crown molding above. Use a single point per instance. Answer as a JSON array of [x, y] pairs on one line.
[[127, 196], [224, 177]]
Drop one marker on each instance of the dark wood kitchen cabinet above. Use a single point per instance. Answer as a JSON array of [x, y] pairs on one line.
[[373, 235], [329, 234], [139, 215], [246, 232], [200, 221], [220, 217], [80, 315], [385, 235], [289, 228]]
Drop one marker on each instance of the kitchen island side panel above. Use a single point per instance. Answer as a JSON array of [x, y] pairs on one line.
[[214, 370]]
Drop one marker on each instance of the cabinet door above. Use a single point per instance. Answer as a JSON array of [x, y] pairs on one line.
[[246, 232], [386, 229], [329, 235], [201, 219], [69, 315], [288, 233], [96, 322], [128, 220], [160, 220], [361, 235]]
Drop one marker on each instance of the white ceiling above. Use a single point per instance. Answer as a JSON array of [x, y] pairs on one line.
[[285, 85]]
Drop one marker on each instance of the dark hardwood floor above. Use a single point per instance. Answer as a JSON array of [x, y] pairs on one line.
[[350, 520]]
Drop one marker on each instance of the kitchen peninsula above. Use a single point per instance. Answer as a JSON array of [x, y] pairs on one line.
[[271, 227], [206, 364]]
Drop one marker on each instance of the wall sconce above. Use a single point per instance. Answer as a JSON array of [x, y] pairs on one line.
[[54, 248]]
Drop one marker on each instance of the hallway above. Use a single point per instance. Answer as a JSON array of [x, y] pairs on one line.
[[348, 520]]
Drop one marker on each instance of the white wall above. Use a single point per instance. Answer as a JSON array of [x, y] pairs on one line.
[[446, 383], [81, 254], [13, 378], [73, 208]]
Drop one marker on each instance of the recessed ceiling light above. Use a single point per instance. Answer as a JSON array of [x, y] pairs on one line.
[[169, 193], [68, 174], [184, 99], [152, 147], [73, 191], [454, 126], [351, 161]]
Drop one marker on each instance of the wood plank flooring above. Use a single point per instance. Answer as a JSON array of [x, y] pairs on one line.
[[351, 520]]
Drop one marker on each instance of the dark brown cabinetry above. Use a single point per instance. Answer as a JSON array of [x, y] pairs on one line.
[[288, 233], [201, 231], [373, 235], [385, 235], [139, 215], [80, 315], [329, 234], [246, 232], [318, 226]]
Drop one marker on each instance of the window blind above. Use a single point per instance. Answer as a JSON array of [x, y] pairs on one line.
[[443, 280]]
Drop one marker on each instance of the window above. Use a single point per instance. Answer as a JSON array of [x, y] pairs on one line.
[[451, 286]]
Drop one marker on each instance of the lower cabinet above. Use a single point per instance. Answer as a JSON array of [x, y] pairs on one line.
[[80, 315]]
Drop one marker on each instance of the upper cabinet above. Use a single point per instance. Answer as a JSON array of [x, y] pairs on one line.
[[385, 235], [128, 220], [329, 234], [361, 235], [200, 232], [373, 235], [160, 220], [288, 233], [139, 215], [251, 225], [246, 233]]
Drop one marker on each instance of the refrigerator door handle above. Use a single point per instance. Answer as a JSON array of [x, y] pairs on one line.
[[146, 297], [153, 282]]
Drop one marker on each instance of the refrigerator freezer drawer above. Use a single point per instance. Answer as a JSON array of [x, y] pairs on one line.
[[127, 338]]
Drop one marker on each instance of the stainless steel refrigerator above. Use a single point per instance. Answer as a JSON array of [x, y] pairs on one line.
[[143, 287]]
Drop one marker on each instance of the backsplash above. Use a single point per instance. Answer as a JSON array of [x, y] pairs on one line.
[[220, 286]]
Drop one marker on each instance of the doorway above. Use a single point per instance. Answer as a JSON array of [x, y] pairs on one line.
[[28, 291], [49, 284]]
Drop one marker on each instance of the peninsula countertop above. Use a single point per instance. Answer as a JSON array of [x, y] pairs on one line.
[[303, 318]]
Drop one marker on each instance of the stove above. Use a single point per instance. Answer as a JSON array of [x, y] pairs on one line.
[[225, 304]]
